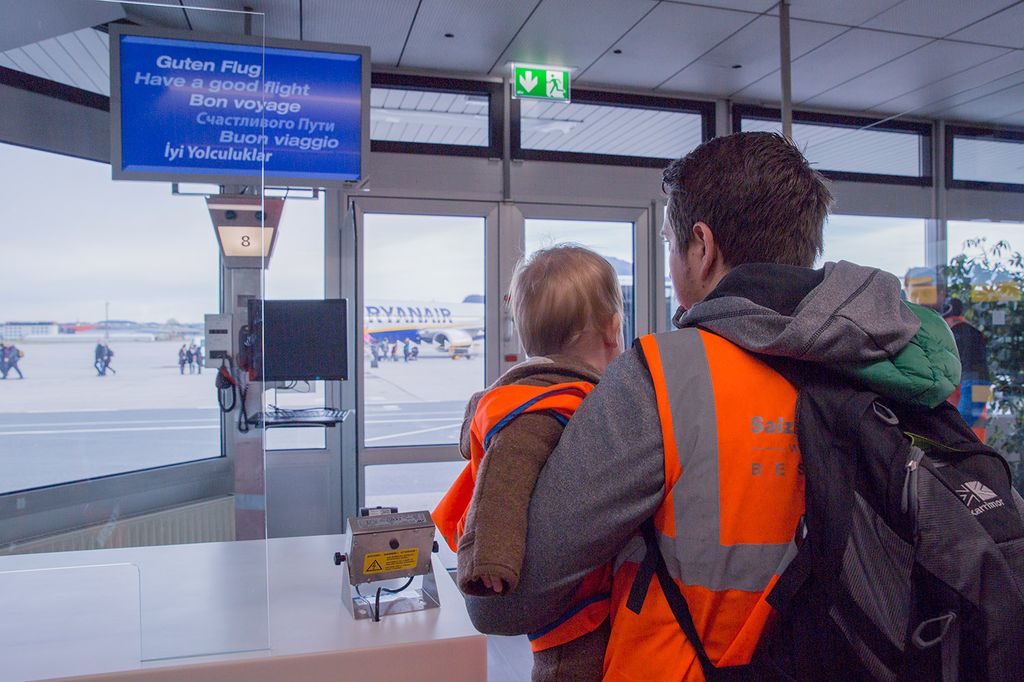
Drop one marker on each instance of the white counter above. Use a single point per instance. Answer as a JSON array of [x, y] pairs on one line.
[[209, 597]]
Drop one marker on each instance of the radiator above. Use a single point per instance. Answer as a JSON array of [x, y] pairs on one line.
[[210, 520]]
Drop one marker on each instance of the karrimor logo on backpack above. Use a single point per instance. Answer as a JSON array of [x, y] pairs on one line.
[[978, 497]]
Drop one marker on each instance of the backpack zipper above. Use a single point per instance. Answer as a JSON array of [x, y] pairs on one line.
[[909, 498]]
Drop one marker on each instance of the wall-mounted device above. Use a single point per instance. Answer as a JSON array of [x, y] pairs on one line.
[[384, 554], [218, 338], [246, 227], [299, 340]]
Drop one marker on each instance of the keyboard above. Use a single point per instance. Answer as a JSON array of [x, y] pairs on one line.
[[308, 416]]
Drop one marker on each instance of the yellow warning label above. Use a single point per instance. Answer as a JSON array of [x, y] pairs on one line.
[[386, 562]]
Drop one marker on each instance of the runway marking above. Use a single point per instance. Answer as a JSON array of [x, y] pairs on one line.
[[414, 420], [412, 433], [124, 430], [107, 423]]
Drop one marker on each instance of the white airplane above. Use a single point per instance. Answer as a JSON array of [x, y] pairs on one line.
[[451, 326]]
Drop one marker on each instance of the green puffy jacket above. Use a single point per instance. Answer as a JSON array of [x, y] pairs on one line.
[[924, 373]]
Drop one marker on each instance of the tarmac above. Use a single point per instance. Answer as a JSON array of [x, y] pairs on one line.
[[64, 423]]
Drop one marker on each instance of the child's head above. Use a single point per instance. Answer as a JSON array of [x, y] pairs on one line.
[[567, 300]]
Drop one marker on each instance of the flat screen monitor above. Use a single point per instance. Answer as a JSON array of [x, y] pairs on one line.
[[187, 107], [301, 340]]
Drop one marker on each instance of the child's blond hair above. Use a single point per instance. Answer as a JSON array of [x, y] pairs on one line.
[[560, 294]]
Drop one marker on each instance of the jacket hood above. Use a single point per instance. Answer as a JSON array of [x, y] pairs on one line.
[[846, 316], [538, 371]]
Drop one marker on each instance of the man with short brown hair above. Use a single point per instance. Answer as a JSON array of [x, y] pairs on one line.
[[686, 449]]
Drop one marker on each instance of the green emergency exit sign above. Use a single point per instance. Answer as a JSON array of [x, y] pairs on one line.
[[541, 82]]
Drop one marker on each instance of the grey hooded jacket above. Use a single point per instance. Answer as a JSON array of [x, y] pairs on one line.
[[607, 474]]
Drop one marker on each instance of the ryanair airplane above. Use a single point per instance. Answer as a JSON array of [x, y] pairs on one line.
[[451, 326]]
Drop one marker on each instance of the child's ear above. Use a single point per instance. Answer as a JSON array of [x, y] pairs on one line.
[[613, 331]]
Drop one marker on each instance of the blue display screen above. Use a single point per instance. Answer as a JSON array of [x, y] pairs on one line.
[[195, 108]]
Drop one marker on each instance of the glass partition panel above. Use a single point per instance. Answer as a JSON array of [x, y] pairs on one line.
[[113, 445], [297, 272]]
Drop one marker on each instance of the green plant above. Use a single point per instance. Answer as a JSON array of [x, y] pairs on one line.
[[989, 280]]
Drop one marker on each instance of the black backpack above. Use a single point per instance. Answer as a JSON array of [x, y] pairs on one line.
[[910, 561]]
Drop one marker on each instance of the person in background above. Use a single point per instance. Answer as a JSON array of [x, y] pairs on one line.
[[108, 356], [3, 360], [190, 358], [972, 395], [200, 356], [99, 359], [11, 363], [406, 349], [182, 361]]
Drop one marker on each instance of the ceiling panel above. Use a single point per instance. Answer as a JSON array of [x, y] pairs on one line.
[[839, 11], [77, 59], [479, 36], [992, 106], [756, 49], [280, 17], [380, 24], [848, 56], [151, 15], [668, 39], [572, 33], [931, 63], [960, 88], [1005, 28], [935, 18], [745, 5], [25, 23]]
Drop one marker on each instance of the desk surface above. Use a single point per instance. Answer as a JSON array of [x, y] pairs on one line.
[[209, 602]]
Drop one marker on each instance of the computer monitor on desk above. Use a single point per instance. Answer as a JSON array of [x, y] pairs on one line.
[[300, 340]]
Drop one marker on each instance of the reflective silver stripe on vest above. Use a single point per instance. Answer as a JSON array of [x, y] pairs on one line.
[[696, 556]]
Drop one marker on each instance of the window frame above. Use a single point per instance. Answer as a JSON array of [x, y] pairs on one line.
[[495, 108], [70, 505], [954, 131], [705, 109], [923, 130]]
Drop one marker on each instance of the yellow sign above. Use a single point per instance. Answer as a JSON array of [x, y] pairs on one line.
[[387, 562]]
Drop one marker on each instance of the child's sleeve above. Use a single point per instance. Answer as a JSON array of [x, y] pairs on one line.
[[495, 534]]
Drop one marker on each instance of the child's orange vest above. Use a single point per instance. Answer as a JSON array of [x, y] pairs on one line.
[[496, 409]]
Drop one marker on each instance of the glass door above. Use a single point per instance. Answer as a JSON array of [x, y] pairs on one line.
[[422, 343], [621, 235]]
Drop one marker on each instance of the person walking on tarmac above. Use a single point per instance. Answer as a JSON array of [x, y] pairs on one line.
[[3, 360], [99, 361], [13, 356], [971, 397], [108, 356], [182, 360], [688, 440]]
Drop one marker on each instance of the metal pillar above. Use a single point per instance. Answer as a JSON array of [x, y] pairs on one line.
[[786, 70]]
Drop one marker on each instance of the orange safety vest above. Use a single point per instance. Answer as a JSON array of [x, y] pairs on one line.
[[496, 409], [734, 494]]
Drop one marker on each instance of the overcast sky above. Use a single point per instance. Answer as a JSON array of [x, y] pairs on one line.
[[71, 239]]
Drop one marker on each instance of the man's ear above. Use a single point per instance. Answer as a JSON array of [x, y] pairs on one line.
[[709, 255], [612, 332]]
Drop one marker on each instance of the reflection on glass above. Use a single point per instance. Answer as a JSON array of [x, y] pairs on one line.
[[983, 307], [423, 326], [106, 330], [613, 240], [297, 272]]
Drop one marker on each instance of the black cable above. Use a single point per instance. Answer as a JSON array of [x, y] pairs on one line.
[[403, 587], [376, 610]]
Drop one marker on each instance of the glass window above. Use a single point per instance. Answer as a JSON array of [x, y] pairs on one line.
[[613, 240], [297, 272], [430, 117], [106, 284], [892, 244], [423, 326], [852, 150], [585, 128], [988, 160], [986, 276]]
